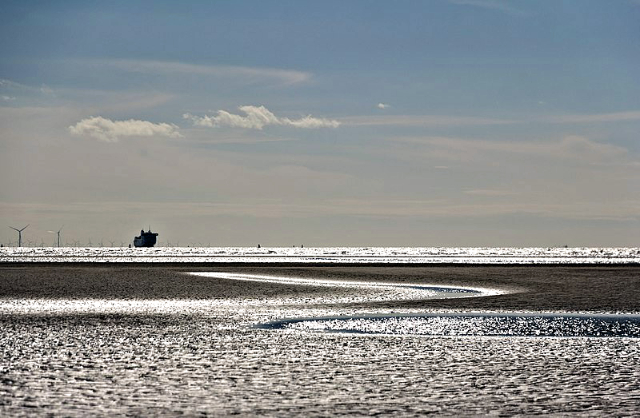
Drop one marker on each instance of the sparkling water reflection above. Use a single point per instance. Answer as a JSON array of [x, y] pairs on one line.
[[142, 357], [212, 364], [336, 255], [515, 324]]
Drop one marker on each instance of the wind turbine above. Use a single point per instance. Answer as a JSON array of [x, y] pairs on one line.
[[19, 234], [53, 232]]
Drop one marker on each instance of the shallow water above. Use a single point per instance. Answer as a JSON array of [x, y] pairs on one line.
[[335, 255], [272, 356], [478, 324]]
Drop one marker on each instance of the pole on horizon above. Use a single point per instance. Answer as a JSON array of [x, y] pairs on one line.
[[58, 233]]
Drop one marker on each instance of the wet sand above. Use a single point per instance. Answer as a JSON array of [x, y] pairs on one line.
[[149, 340], [530, 288]]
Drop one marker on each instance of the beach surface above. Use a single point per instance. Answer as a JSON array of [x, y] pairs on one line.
[[153, 338], [608, 288]]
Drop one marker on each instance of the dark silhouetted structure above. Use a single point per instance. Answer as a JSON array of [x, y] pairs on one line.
[[146, 239], [19, 234]]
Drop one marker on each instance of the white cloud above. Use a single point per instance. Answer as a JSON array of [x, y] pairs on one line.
[[111, 131], [382, 106], [8, 98], [257, 117]]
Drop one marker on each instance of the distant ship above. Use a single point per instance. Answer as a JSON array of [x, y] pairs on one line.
[[146, 239]]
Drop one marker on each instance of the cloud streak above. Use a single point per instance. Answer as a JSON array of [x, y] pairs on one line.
[[600, 117], [10, 89], [422, 120], [500, 6], [449, 120], [257, 117], [572, 147], [112, 131], [382, 208], [251, 74]]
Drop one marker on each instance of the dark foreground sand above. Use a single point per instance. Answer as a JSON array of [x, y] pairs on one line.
[[532, 288]]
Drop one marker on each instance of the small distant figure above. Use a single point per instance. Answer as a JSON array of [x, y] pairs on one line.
[[258, 245], [302, 246], [129, 245]]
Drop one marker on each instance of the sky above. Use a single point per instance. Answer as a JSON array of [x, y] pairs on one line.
[[321, 123]]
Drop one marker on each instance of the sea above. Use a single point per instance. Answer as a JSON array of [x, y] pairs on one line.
[[415, 255], [319, 331]]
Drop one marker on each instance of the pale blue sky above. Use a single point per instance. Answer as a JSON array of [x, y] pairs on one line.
[[461, 122]]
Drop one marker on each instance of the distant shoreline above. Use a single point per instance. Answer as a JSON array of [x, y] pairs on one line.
[[345, 256], [182, 264]]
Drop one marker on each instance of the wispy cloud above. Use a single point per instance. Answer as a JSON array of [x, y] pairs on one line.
[[4, 83], [402, 208], [8, 86], [44, 89], [250, 74], [594, 118], [421, 120], [450, 120], [572, 147], [257, 117], [112, 131], [122, 102], [383, 208], [501, 6], [488, 192]]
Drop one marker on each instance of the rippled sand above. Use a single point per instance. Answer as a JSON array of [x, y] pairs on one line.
[[82, 339]]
